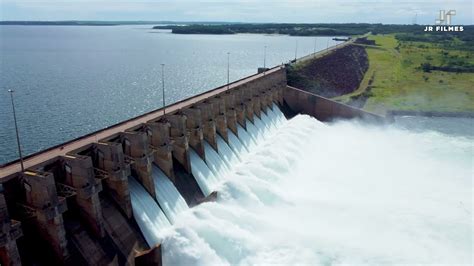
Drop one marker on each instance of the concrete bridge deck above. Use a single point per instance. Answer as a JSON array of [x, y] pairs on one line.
[[8, 170]]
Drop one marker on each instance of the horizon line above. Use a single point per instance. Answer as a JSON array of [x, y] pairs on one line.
[[214, 21]]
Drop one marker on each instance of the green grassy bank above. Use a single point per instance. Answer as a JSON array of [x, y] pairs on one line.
[[416, 74]]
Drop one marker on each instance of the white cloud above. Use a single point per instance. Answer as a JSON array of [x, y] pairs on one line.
[[385, 11]]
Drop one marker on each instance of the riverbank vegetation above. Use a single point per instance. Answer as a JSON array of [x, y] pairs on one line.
[[272, 28], [318, 29], [417, 72]]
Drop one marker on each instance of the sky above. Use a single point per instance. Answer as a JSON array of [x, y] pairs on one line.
[[303, 11]]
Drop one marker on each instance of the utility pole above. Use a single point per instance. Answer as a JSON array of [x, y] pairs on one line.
[[296, 50], [314, 50], [264, 56], [163, 87], [16, 130], [228, 70]]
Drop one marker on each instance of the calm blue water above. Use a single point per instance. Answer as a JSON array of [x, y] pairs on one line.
[[70, 81]]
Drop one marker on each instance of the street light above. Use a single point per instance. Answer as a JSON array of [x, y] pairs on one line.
[[296, 50], [16, 130], [264, 57], [228, 69], [314, 50], [163, 87]]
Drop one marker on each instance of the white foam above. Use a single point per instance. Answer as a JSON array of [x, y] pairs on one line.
[[336, 194]]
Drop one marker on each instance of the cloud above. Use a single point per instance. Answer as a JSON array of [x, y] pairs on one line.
[[385, 11]]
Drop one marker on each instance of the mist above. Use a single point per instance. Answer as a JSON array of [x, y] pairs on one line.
[[343, 193]]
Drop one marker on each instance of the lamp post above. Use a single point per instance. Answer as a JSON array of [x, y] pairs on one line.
[[163, 87], [296, 50], [16, 130], [264, 57], [314, 50], [228, 69]]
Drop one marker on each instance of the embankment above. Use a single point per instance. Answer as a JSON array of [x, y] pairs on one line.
[[333, 75]]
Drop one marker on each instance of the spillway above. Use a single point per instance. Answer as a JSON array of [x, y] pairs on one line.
[[279, 116], [291, 202], [202, 173], [214, 161], [237, 145], [245, 138], [167, 195], [227, 154], [269, 125], [148, 215], [253, 132], [153, 218], [261, 128]]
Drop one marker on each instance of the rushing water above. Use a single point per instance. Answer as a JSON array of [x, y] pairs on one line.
[[169, 199], [253, 131], [245, 138], [202, 173], [150, 218], [70, 81], [226, 153], [343, 193], [217, 166], [215, 162], [236, 144]]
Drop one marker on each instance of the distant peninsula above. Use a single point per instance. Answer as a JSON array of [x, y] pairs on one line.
[[293, 29]]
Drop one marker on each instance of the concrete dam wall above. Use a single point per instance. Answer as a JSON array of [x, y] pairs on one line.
[[94, 200]]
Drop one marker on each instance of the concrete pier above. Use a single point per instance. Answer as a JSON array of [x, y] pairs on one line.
[[220, 116], [208, 120], [137, 148], [41, 196], [10, 231], [159, 135], [78, 172], [109, 160], [195, 129], [230, 111], [180, 137]]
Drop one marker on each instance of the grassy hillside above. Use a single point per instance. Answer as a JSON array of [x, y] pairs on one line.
[[405, 75]]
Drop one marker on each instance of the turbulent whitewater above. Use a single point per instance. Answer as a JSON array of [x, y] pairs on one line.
[[345, 193]]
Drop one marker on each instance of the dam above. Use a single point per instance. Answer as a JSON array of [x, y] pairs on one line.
[[111, 197]]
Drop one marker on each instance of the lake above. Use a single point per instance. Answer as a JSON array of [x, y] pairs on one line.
[[73, 80]]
